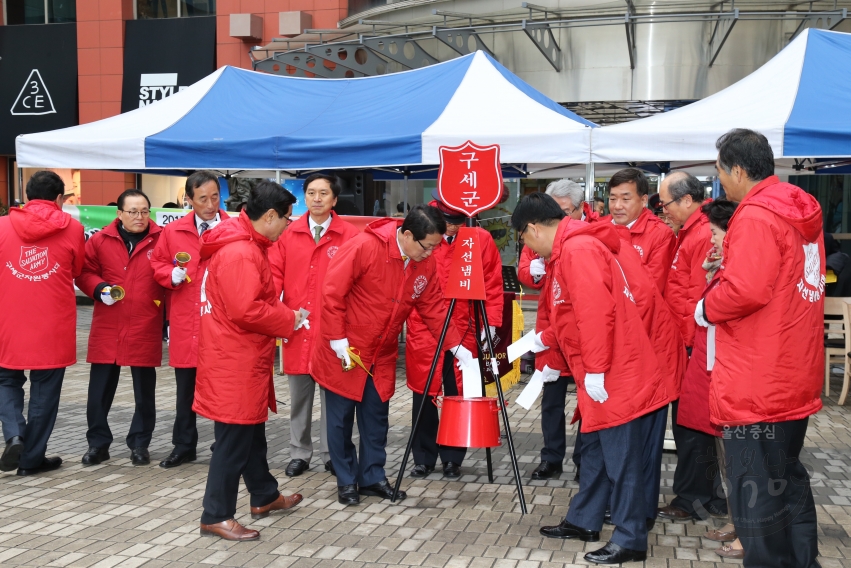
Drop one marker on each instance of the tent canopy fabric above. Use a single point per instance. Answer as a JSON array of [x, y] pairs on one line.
[[240, 119], [798, 100]]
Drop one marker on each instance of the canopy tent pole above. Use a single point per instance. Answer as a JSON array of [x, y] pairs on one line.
[[20, 184], [278, 177], [405, 202], [589, 182]]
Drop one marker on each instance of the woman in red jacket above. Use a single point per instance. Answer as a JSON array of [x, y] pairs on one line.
[[372, 284], [125, 332], [241, 317]]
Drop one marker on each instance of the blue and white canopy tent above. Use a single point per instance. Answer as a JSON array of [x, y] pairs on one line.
[[799, 100], [236, 119]]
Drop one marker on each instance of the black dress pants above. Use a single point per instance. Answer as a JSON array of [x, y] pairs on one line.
[[240, 451], [103, 382], [773, 508], [184, 436], [45, 388], [425, 447], [697, 484], [552, 420]]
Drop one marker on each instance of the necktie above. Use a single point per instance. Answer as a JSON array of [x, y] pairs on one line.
[[450, 239], [318, 230], [204, 227]]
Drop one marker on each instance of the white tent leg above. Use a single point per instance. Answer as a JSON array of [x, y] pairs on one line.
[[278, 177], [405, 204], [589, 182]]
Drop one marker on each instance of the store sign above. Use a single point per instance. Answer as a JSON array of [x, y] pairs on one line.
[[164, 56], [38, 71]]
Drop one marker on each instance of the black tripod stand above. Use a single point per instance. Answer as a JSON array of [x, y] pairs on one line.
[[478, 311]]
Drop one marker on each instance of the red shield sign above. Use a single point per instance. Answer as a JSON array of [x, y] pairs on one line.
[[33, 259], [470, 177]]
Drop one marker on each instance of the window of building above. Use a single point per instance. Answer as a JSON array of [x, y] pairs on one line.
[[174, 8], [18, 12]]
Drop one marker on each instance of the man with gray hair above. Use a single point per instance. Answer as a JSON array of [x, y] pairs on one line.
[[569, 196], [697, 491]]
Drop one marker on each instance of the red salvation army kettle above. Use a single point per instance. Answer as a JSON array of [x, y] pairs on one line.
[[468, 422]]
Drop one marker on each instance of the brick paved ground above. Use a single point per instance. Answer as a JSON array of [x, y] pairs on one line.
[[119, 515]]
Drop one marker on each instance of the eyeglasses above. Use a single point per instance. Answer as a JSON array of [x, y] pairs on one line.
[[429, 249], [520, 234], [134, 213], [665, 205]]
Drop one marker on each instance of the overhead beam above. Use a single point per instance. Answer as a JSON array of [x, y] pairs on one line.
[[629, 24], [352, 56], [829, 20], [401, 50], [723, 26], [459, 40], [539, 34]]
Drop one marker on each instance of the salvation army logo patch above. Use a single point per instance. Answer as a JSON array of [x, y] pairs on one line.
[[812, 265], [419, 285], [556, 290], [33, 259], [332, 251], [150, 253], [640, 250]]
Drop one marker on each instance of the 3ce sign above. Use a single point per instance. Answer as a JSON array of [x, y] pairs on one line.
[[34, 99]]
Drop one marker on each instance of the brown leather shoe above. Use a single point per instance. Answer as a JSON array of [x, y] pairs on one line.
[[728, 551], [229, 530], [673, 514], [721, 536], [279, 504]]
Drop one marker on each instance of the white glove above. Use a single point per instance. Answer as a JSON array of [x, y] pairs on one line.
[[698, 315], [493, 334], [178, 275], [594, 387], [339, 346], [538, 268], [539, 344], [550, 375], [105, 297], [305, 324], [462, 354]]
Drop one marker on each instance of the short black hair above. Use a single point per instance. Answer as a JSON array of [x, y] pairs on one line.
[[424, 220], [537, 208], [336, 182], [400, 207], [197, 179], [170, 205], [747, 149], [633, 175], [719, 212], [45, 185], [267, 195], [131, 193], [600, 199], [687, 184]]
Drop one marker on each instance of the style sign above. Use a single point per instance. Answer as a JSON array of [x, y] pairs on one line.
[[34, 99], [470, 177]]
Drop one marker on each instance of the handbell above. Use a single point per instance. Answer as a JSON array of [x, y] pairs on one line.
[[181, 259], [116, 293]]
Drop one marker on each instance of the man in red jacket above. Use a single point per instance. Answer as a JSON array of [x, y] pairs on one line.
[[651, 237], [299, 262], [372, 284], [768, 310], [531, 271], [596, 324], [697, 494], [184, 302], [41, 252], [421, 340], [234, 388], [124, 332]]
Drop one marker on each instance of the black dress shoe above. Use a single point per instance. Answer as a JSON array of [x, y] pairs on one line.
[[296, 467], [614, 554], [348, 494], [568, 530], [140, 456], [546, 470], [451, 470], [12, 454], [95, 456], [48, 464], [381, 489], [421, 470], [607, 517], [178, 458], [329, 467]]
